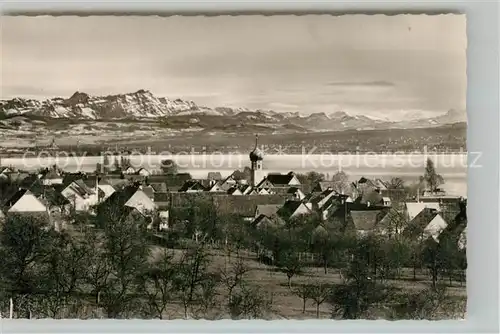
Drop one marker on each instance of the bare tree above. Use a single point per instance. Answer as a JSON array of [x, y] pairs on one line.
[[318, 293], [303, 292], [157, 284], [23, 246], [290, 264], [99, 268], [126, 248], [249, 302], [191, 277], [233, 276], [62, 274]]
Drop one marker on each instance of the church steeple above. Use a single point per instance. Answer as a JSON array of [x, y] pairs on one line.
[[256, 154], [256, 157]]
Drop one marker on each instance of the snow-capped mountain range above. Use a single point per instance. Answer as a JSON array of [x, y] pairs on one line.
[[143, 105]]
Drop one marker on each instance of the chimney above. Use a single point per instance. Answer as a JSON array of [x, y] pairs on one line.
[[418, 195]]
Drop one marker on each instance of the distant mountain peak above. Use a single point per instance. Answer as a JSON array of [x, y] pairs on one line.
[[142, 104], [339, 114], [78, 97]]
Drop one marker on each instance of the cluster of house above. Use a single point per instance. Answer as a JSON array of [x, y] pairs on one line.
[[365, 205], [368, 209]]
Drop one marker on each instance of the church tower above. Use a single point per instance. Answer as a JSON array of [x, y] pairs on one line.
[[256, 157]]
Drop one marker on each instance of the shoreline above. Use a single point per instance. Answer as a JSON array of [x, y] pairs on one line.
[[64, 154]]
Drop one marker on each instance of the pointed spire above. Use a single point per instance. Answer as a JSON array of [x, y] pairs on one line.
[[256, 140]]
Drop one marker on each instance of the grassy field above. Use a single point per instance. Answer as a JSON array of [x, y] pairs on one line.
[[286, 305]]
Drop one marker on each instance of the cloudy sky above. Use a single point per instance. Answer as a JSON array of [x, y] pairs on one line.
[[385, 66]]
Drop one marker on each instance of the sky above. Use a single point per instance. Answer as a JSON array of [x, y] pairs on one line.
[[384, 66]]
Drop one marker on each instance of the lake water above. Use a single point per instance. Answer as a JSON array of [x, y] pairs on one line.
[[453, 167]]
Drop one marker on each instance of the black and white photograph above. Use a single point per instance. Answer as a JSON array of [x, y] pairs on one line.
[[233, 167]]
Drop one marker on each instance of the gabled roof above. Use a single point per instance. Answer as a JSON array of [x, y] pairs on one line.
[[267, 210], [5, 169], [120, 197], [367, 220], [234, 191], [414, 208], [289, 208], [15, 197], [264, 221], [392, 216], [367, 182], [27, 199], [124, 212], [332, 200], [79, 187], [420, 222], [316, 199], [149, 191], [280, 179], [216, 187], [159, 187], [265, 191], [192, 185]]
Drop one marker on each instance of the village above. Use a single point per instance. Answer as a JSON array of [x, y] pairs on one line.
[[255, 196], [179, 213]]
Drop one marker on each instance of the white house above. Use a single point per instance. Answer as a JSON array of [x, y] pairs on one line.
[[435, 227], [140, 201], [293, 209], [80, 195], [24, 201], [107, 189], [414, 208]]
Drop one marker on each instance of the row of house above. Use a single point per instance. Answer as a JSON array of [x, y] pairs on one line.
[[364, 205]]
